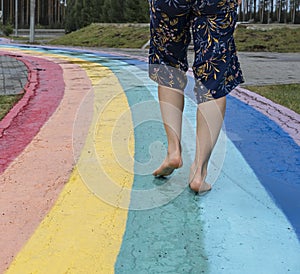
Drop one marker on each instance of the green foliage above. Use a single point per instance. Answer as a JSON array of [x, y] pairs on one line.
[[7, 29], [136, 11], [116, 11], [81, 13]]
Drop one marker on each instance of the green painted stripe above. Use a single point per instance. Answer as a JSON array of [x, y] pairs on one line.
[[165, 237]]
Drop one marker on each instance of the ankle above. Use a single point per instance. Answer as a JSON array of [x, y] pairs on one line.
[[174, 152], [174, 149], [174, 160], [199, 173]]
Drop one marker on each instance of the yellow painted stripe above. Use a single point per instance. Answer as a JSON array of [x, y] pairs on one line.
[[83, 233]]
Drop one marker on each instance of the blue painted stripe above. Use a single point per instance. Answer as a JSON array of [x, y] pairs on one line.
[[271, 153]]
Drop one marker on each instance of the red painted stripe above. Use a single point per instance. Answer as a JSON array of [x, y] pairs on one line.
[[43, 93], [29, 186]]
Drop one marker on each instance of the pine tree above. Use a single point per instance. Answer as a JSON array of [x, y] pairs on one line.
[[106, 7], [116, 11], [96, 10], [81, 13], [136, 11]]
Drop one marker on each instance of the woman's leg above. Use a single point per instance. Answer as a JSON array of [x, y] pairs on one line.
[[210, 116], [171, 106], [170, 38], [217, 71]]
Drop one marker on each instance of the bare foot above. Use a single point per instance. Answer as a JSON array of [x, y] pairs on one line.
[[168, 166], [200, 188], [197, 183]]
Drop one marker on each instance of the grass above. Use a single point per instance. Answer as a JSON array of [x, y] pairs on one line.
[[286, 95], [106, 35], [279, 39], [7, 102], [272, 40]]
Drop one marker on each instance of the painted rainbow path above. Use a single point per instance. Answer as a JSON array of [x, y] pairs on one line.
[[77, 194]]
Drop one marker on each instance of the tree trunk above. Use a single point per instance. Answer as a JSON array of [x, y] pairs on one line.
[[254, 9], [279, 11], [38, 12], [55, 12], [22, 14], [16, 17], [11, 7], [49, 12], [262, 11], [294, 12], [27, 9]]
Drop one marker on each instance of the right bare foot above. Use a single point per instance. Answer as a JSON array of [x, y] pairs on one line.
[[200, 188], [168, 166], [197, 182]]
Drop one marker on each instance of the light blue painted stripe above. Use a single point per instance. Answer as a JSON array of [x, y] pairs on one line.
[[245, 232], [242, 224]]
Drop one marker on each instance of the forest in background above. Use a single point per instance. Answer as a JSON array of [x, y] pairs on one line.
[[75, 14]]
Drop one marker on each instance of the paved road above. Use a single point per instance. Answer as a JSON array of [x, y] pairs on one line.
[[259, 68], [13, 75], [270, 68], [77, 194]]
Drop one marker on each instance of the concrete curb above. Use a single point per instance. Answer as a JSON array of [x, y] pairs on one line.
[[42, 97], [287, 119], [28, 92]]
